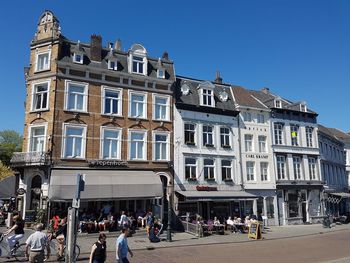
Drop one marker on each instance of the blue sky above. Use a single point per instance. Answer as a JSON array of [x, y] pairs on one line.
[[299, 49]]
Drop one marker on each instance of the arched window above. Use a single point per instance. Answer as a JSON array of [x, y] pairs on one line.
[[138, 59]]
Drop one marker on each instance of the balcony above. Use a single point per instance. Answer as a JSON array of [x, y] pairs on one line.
[[20, 159]]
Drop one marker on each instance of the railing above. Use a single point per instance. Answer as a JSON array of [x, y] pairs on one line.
[[29, 159], [191, 228]]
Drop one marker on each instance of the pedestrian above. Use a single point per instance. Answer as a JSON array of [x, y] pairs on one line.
[[98, 250], [18, 229], [122, 247], [37, 242], [61, 236]]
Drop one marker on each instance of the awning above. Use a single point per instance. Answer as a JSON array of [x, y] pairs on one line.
[[7, 187], [216, 195], [105, 184], [341, 194]]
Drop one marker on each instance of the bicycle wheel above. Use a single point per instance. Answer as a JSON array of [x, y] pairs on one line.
[[20, 253], [77, 251]]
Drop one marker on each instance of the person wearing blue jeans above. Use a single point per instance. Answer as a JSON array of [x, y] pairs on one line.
[[122, 247]]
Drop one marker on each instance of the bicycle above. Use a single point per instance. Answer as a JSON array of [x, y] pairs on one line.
[[54, 245], [18, 251]]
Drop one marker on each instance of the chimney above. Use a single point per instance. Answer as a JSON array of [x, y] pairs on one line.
[[265, 90], [96, 48], [218, 79], [165, 56], [118, 45]]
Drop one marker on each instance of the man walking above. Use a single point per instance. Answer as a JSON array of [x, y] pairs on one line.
[[37, 242], [122, 247]]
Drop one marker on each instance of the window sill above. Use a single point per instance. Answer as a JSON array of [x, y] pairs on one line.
[[228, 180], [73, 159], [190, 143], [42, 70], [209, 145], [226, 146], [75, 111], [137, 118], [210, 179], [111, 115], [39, 111], [159, 120], [192, 179]]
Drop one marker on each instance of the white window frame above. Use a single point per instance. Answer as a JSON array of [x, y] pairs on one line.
[[83, 143], [303, 108], [167, 107], [144, 94], [204, 92], [192, 167], [264, 171], [250, 176], [278, 103], [144, 154], [81, 57], [262, 143], [248, 143], [37, 61], [294, 140], [102, 139], [230, 177], [194, 131], [278, 137], [30, 134], [260, 118], [309, 136], [226, 142], [161, 76], [34, 93], [208, 135], [120, 101], [247, 116], [167, 142], [85, 95], [143, 62], [109, 62], [209, 168], [312, 168], [297, 168], [281, 166]]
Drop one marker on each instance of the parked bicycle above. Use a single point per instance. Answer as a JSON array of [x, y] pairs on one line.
[[18, 251], [54, 247]]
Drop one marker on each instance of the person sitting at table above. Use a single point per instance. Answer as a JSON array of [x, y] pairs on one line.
[[247, 221], [216, 221]]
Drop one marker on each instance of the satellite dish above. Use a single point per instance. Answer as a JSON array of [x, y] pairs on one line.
[[185, 89]]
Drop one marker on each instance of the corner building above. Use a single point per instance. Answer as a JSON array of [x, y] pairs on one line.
[[99, 111]]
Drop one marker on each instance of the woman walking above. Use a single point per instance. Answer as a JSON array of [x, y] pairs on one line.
[[98, 250]]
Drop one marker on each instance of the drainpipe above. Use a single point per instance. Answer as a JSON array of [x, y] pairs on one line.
[[240, 151]]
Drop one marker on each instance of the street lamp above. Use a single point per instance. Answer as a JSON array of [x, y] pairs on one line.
[[171, 192]]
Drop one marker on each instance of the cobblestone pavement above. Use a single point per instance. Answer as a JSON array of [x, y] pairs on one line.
[[185, 244]]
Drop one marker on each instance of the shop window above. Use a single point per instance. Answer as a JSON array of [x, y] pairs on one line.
[[293, 207]]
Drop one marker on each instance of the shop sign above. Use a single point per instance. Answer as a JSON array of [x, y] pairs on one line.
[[206, 188], [21, 191], [109, 163], [255, 231], [257, 156]]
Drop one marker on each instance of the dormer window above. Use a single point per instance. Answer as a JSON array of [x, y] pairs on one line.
[[160, 73], [278, 104], [78, 58], [112, 64], [303, 107], [207, 97], [138, 59], [137, 64]]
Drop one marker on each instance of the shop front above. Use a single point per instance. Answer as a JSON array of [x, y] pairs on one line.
[[337, 203]]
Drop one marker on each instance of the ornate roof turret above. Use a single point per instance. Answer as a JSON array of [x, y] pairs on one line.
[[48, 27]]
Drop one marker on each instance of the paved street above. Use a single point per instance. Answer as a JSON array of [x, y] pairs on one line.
[[302, 243]]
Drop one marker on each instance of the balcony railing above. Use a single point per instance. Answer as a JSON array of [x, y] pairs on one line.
[[29, 159]]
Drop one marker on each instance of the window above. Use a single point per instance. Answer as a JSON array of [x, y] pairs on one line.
[[309, 138], [321, 147], [138, 105], [281, 167], [40, 99], [37, 138], [112, 64], [303, 107], [209, 169], [294, 131], [112, 101], [278, 104], [111, 140], [78, 58], [261, 118], [247, 116], [226, 170], [207, 97], [297, 167], [190, 168], [161, 108], [225, 137], [137, 65], [74, 141], [208, 135], [248, 142], [43, 61], [264, 167], [312, 168], [278, 132], [262, 144], [250, 171], [190, 131], [137, 145], [76, 96], [161, 73], [161, 148]]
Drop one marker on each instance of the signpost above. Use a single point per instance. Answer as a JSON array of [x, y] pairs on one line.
[[72, 220], [255, 231]]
